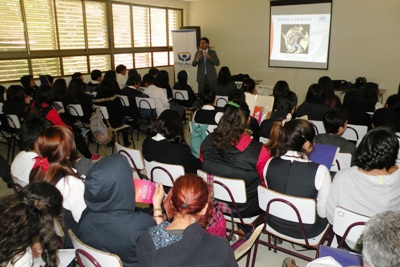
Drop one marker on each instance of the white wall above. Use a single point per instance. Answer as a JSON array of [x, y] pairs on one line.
[[364, 41]]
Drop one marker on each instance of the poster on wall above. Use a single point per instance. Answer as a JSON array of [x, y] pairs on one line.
[[299, 34], [185, 49]]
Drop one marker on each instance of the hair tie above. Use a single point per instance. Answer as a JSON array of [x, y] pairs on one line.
[[43, 163], [26, 201], [233, 104], [288, 118], [184, 205], [244, 84]]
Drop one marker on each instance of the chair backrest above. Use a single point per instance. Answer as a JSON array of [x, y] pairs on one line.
[[263, 140], [105, 259], [180, 94], [59, 106], [348, 225], [145, 102], [245, 246], [163, 173], [284, 206], [13, 121], [75, 110], [318, 127], [83, 258], [221, 101], [58, 228], [343, 161], [354, 132], [134, 157], [104, 112], [227, 189], [124, 100]]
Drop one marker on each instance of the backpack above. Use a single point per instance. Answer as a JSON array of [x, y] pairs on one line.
[[199, 133], [99, 129]]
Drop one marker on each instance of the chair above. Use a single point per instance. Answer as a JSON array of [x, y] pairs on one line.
[[134, 157], [183, 95], [354, 132], [343, 161], [349, 225], [163, 173], [243, 246], [115, 131], [263, 140], [97, 257], [147, 109], [293, 209], [221, 101], [232, 191], [59, 106], [318, 127], [75, 110]]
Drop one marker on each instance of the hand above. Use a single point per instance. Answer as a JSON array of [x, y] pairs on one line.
[[36, 250], [199, 55], [207, 55], [158, 196]]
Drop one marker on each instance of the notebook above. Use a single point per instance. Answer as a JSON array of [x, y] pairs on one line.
[[324, 154]]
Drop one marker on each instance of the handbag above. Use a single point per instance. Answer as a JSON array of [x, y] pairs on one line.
[[217, 224]]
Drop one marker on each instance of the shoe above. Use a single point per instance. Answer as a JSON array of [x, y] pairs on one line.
[[128, 144], [95, 157]]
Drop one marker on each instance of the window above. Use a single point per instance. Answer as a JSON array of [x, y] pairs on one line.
[[60, 37]]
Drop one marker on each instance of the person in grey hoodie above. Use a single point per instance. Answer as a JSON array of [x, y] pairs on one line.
[[110, 222]]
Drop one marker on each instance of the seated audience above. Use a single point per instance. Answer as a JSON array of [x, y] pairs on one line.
[[159, 94], [17, 101], [331, 100], [254, 127], [43, 107], [94, 84], [121, 76], [285, 103], [373, 184], [27, 226], [106, 97], [55, 165], [224, 84], [111, 76], [335, 123], [60, 89], [381, 240], [153, 71], [353, 103], [249, 86], [230, 152], [23, 162], [132, 90], [291, 172], [182, 84], [167, 143], [207, 114], [314, 105], [29, 85], [162, 81], [388, 116], [78, 75], [25, 159], [110, 222], [370, 93], [280, 87], [183, 241], [76, 95]]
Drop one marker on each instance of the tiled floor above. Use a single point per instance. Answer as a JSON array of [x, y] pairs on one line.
[[264, 256]]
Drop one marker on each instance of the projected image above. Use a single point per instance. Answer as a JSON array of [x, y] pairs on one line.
[[295, 39], [299, 34]]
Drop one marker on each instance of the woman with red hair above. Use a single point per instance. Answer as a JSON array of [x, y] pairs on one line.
[[56, 150], [188, 205]]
